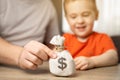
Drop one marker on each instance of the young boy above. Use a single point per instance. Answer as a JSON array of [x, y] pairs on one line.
[[89, 49]]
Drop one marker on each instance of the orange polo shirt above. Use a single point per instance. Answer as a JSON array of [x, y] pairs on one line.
[[97, 44]]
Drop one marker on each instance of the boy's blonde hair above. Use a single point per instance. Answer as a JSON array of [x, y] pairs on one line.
[[93, 2]]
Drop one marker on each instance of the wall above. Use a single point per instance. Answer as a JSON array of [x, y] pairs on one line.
[[109, 19]]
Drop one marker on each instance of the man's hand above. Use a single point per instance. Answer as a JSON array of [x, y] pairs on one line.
[[33, 55]]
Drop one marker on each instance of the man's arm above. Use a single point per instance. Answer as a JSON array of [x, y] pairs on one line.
[[29, 57], [9, 53]]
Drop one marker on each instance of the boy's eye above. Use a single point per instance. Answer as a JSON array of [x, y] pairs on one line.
[[73, 16], [86, 14]]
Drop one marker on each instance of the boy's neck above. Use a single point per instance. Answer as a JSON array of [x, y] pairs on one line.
[[84, 39]]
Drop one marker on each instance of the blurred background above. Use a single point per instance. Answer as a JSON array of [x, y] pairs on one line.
[[58, 6]]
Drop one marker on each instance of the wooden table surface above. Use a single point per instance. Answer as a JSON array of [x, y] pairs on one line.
[[14, 73]]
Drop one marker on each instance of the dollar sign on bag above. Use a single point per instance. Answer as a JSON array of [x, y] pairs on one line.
[[63, 64]]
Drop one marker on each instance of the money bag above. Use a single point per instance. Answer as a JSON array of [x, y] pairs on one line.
[[63, 65]]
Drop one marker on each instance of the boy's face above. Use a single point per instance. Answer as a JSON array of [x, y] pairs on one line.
[[81, 15]]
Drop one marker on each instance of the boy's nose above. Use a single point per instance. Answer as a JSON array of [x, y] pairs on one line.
[[80, 20]]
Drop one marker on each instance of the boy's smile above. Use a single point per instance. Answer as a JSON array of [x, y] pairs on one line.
[[80, 28]]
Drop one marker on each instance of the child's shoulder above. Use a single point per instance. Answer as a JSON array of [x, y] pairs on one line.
[[99, 35]]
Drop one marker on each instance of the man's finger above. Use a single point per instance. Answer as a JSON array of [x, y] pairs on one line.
[[49, 52], [35, 47]]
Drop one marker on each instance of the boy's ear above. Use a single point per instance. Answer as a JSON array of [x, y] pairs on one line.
[[97, 15]]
